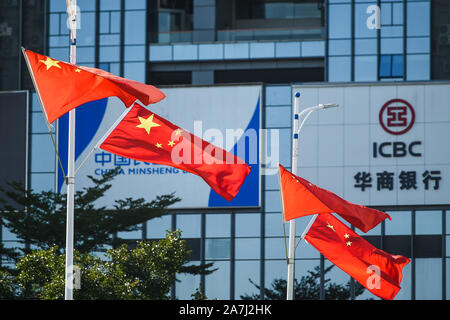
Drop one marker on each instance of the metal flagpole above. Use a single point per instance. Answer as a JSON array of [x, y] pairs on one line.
[[291, 252], [70, 179], [295, 136]]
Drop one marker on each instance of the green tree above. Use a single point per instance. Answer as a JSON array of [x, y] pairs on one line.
[[42, 223], [145, 272], [308, 288]]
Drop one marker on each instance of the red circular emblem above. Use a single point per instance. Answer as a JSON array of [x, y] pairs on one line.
[[397, 116]]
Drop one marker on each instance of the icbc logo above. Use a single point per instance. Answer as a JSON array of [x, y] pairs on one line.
[[397, 116]]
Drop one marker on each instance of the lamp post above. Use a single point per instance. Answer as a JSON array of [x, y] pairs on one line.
[[295, 135]]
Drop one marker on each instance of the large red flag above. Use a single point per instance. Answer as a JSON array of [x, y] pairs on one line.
[[144, 136], [300, 198], [375, 269], [64, 86]]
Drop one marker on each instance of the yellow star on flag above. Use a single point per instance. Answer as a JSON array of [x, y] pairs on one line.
[[77, 70], [171, 143], [348, 243], [50, 63], [330, 226], [346, 236], [158, 145], [147, 124], [178, 131]]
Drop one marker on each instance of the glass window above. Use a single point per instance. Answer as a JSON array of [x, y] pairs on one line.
[[447, 278], [86, 33], [275, 269], [418, 45], [366, 46], [276, 248], [104, 66], [418, 66], [428, 279], [134, 53], [274, 225], [418, 18], [38, 123], [400, 223], [339, 47], [135, 27], [187, 285], [248, 225], [385, 66], [386, 14], [244, 272], [135, 71], [135, 4], [217, 248], [361, 16], [42, 182], [157, 227], [217, 284], [218, 225], [56, 6], [189, 224], [339, 21], [247, 248], [42, 153], [406, 284], [85, 55], [447, 246], [397, 13], [447, 222], [115, 22], [131, 234], [391, 66], [339, 69], [397, 66], [109, 4], [429, 222], [366, 68], [104, 22], [54, 24], [8, 235]]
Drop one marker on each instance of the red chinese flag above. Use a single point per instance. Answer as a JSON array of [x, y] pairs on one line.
[[64, 86], [376, 270], [301, 198], [144, 136]]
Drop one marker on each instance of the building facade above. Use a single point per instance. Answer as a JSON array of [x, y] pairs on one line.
[[287, 46]]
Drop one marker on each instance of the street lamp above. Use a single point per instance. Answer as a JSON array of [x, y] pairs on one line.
[[296, 132]]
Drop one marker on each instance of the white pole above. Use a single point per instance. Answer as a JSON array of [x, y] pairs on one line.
[[295, 136], [291, 252], [70, 181]]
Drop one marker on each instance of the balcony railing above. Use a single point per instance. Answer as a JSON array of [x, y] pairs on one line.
[[231, 35]]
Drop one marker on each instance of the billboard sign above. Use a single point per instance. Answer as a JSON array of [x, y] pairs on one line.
[[226, 116], [385, 145]]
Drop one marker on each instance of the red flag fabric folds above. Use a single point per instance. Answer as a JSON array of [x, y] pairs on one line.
[[64, 86], [376, 270], [301, 198], [144, 136]]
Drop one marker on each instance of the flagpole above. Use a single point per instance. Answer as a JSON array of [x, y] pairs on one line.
[[70, 180], [291, 252], [296, 127]]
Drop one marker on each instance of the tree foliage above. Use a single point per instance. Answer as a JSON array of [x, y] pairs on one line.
[[43, 223], [145, 272], [308, 288]]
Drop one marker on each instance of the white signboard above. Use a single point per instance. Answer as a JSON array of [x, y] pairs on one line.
[[386, 144], [221, 115]]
